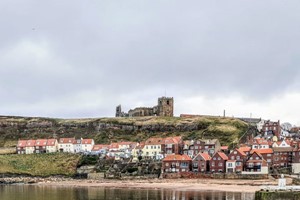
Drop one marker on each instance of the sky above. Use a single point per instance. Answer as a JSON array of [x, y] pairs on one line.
[[77, 59]]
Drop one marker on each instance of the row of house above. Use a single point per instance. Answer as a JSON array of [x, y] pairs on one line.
[[235, 162], [70, 145], [256, 157]]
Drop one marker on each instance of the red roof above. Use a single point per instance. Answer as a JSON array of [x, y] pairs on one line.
[[222, 155], [98, 147], [22, 143], [154, 141], [241, 152], [205, 156], [245, 149], [124, 143], [51, 142], [177, 157], [224, 147], [140, 145], [67, 140], [262, 151], [40, 143], [30, 143], [114, 146], [87, 141]]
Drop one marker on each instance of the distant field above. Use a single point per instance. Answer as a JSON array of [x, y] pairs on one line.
[[39, 164]]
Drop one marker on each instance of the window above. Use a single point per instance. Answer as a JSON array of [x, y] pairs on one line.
[[213, 164], [234, 152], [219, 158], [167, 164], [229, 164], [232, 157], [214, 158], [238, 157], [220, 164]]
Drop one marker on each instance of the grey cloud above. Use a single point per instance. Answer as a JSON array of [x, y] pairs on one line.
[[130, 50]]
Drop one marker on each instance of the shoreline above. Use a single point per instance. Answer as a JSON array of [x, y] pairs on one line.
[[224, 185]]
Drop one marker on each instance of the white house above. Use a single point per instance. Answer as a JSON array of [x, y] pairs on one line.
[[66, 145], [77, 146], [52, 146], [30, 147], [87, 145]]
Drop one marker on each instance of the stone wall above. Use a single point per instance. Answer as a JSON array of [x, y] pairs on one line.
[[213, 176]]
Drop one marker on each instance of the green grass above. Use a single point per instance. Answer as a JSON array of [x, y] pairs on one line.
[[39, 164]]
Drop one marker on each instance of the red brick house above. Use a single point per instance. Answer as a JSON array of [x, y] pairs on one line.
[[272, 128], [236, 161], [201, 162], [245, 149], [173, 145], [256, 163], [196, 147], [267, 155], [283, 157], [176, 163], [218, 162]]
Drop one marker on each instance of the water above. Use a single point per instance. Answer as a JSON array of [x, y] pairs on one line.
[[25, 192]]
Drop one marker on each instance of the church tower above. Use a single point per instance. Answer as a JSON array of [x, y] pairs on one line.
[[165, 107]]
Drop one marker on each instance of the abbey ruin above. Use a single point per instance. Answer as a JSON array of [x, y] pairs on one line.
[[164, 107]]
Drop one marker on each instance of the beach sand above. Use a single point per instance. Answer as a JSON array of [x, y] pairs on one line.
[[174, 184]]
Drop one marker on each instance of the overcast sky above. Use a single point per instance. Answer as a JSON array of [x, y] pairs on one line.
[[76, 58]]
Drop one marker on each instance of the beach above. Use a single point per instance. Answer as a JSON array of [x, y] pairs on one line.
[[232, 185]]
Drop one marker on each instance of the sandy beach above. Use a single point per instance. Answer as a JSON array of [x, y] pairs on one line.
[[174, 184]]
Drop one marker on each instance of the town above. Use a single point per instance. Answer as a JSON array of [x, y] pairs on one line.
[[271, 151]]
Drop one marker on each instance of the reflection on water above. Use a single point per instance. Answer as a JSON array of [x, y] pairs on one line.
[[18, 192]]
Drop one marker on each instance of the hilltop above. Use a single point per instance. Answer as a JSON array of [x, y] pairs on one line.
[[106, 130]]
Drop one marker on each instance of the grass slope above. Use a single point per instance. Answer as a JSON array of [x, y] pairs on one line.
[[39, 164], [227, 130]]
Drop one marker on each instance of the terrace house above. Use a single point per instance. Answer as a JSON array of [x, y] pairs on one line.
[[66, 145], [153, 148], [30, 147], [87, 145], [40, 146], [218, 162], [52, 146], [236, 160], [256, 163], [176, 163], [201, 162], [21, 146], [283, 156]]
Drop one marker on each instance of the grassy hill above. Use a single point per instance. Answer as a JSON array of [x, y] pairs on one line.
[[39, 164], [106, 130]]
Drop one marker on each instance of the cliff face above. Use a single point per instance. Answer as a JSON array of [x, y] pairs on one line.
[[105, 130]]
